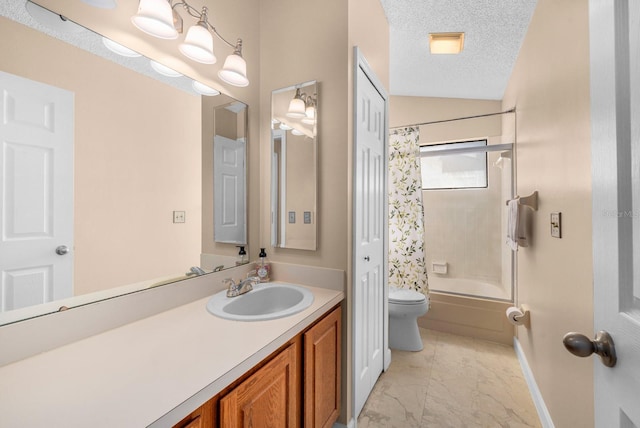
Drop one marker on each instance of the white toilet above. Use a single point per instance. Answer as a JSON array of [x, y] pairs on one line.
[[405, 306]]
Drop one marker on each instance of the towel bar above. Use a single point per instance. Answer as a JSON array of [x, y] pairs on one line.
[[531, 201]]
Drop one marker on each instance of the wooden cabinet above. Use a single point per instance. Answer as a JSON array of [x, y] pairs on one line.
[[322, 372], [271, 394], [203, 417], [269, 397]]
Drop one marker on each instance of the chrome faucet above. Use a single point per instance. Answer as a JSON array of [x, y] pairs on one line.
[[195, 270], [242, 287]]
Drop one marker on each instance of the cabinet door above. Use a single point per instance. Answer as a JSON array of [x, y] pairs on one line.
[[322, 372], [268, 398], [203, 417]]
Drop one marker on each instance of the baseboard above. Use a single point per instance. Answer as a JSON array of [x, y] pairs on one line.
[[538, 401], [351, 424]]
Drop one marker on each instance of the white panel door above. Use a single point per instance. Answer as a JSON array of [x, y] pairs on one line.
[[615, 110], [36, 192], [369, 237], [229, 190]]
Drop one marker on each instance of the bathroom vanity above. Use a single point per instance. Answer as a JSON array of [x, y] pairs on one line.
[[298, 385], [183, 364]]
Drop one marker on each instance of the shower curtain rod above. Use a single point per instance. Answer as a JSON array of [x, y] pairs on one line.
[[512, 110]]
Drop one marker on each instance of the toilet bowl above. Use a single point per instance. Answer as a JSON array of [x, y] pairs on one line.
[[405, 306]]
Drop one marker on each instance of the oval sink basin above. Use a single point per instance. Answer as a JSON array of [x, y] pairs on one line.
[[265, 302]]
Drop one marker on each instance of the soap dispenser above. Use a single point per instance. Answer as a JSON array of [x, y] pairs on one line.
[[242, 256], [264, 269]]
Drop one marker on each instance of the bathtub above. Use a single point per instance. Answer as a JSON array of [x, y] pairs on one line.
[[469, 287], [468, 308]]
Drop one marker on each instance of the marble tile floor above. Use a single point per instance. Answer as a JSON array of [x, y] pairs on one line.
[[454, 381]]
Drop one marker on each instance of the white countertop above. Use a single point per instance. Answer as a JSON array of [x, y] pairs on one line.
[[151, 372]]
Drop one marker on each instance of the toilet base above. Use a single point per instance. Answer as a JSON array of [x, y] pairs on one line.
[[404, 334]]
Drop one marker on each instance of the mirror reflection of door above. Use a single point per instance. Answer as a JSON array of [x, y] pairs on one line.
[[278, 186], [36, 198], [230, 173], [229, 190]]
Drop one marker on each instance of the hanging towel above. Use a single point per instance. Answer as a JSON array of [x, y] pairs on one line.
[[513, 220]]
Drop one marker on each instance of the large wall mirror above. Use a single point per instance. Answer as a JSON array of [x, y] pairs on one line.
[[294, 148], [132, 190]]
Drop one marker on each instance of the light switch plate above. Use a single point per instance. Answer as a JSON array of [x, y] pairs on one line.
[[178, 217], [307, 217], [556, 225], [292, 217]]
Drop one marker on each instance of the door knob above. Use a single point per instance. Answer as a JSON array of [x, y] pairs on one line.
[[62, 250], [580, 345]]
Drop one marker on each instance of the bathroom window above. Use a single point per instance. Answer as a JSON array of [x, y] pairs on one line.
[[460, 165]]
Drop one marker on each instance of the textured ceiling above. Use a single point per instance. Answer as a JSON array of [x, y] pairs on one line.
[[494, 30]]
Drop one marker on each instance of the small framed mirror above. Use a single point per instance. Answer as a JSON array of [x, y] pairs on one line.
[[294, 158]]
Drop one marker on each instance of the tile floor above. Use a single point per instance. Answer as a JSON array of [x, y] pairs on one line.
[[454, 381]]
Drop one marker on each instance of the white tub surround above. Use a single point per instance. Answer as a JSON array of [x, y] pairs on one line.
[[153, 371]]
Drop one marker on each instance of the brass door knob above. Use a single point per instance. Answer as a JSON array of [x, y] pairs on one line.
[[580, 345]]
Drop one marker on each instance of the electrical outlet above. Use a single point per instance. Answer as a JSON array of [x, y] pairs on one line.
[[556, 226], [307, 217], [178, 217]]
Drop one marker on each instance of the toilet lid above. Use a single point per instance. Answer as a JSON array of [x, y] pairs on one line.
[[403, 295]]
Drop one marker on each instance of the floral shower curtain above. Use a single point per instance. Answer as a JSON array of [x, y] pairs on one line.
[[407, 267]]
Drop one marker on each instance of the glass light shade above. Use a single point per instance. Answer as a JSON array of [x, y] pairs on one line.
[[102, 4], [296, 108], [285, 127], [310, 115], [203, 89], [119, 49], [198, 45], [155, 17], [234, 71], [297, 132], [163, 69], [446, 43]]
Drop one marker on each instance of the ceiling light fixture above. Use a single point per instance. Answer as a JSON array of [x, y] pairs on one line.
[[159, 18], [446, 43]]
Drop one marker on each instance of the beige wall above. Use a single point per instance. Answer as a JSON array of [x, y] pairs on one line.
[[129, 173], [550, 88], [302, 41]]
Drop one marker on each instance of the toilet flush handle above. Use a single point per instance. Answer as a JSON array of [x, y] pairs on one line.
[[366, 258]]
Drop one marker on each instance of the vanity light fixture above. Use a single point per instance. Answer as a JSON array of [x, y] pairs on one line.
[[155, 17], [160, 18], [302, 106], [297, 132], [285, 127], [310, 111], [297, 106], [203, 89], [117, 48], [446, 43]]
